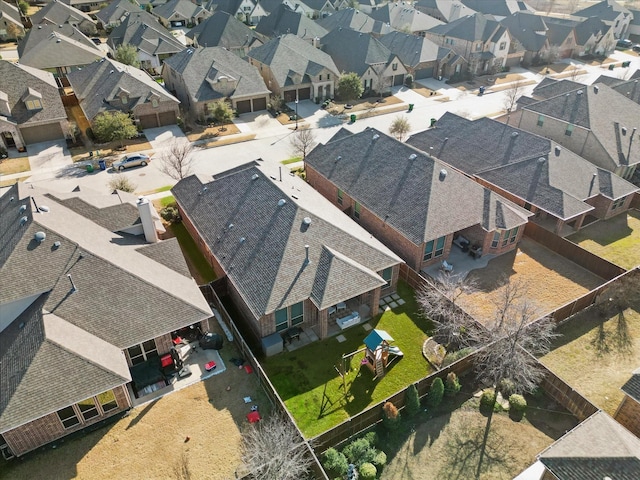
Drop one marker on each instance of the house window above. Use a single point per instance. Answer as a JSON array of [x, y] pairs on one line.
[[297, 313], [479, 47], [394, 67], [356, 210], [88, 408], [434, 248], [140, 353], [496, 239], [282, 320], [540, 120], [124, 99], [510, 236], [34, 104], [618, 203], [503, 45], [107, 401], [328, 76], [154, 102], [569, 130], [68, 417], [340, 197], [319, 78], [386, 275]]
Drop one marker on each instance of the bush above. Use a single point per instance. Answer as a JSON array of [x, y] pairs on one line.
[[506, 387], [380, 459], [411, 400], [390, 416], [372, 438], [170, 214], [408, 80], [488, 399], [122, 183], [517, 403], [436, 392], [367, 471], [452, 385], [359, 451], [335, 462]]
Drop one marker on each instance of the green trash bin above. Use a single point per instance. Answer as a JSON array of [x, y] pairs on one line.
[[433, 122], [353, 118], [411, 107], [626, 64], [90, 167], [612, 66]]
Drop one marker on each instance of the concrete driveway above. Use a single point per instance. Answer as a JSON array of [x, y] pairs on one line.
[[48, 156], [162, 137]]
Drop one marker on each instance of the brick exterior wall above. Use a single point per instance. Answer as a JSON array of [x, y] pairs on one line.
[[163, 106], [628, 415], [49, 428]]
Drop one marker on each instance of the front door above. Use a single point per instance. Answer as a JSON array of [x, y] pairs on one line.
[[8, 139]]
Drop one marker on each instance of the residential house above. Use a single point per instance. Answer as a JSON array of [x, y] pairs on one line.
[[592, 36], [293, 69], [58, 50], [84, 5], [354, 20], [319, 8], [498, 9], [201, 76], [31, 110], [116, 11], [11, 27], [82, 303], [444, 10], [599, 447], [528, 35], [612, 13], [562, 189], [634, 26], [290, 259], [284, 21], [480, 39], [153, 42], [628, 412], [225, 30], [108, 86], [58, 13], [404, 18], [377, 67], [422, 58], [180, 13], [241, 9], [365, 6], [415, 204], [595, 122], [562, 37]]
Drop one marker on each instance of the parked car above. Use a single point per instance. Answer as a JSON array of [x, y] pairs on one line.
[[97, 41], [134, 160], [636, 47], [624, 43]]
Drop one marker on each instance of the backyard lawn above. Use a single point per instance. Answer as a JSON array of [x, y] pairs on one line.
[[198, 266], [551, 280], [616, 239], [311, 388]]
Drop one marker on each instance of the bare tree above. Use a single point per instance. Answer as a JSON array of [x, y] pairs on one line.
[[176, 161], [122, 183], [302, 142], [400, 127], [512, 94], [273, 450]]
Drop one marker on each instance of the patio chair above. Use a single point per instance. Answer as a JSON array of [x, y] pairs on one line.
[[446, 266]]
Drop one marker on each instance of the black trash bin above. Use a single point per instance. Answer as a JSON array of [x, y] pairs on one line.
[[103, 164]]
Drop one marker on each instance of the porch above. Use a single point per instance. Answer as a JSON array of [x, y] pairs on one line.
[[463, 262]]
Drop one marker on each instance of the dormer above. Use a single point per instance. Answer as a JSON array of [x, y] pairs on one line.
[[154, 99], [221, 82], [4, 105], [123, 95], [32, 99]]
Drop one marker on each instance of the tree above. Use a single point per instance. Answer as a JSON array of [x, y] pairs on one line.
[[436, 392], [113, 126], [122, 183], [148, 8], [127, 54], [350, 87], [221, 112], [512, 94], [390, 416], [411, 400], [23, 5], [273, 450], [400, 127], [302, 142], [452, 385], [176, 160]]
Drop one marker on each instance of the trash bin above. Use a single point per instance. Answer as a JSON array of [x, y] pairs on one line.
[[89, 167], [433, 122], [612, 66], [410, 107], [103, 164], [481, 89], [353, 118], [626, 64]]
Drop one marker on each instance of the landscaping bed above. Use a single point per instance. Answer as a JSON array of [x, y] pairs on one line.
[[205, 133], [361, 105]]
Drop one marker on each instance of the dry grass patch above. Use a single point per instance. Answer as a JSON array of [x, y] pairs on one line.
[[363, 104], [8, 183], [425, 92], [10, 166], [213, 132], [596, 354], [218, 142], [551, 280]]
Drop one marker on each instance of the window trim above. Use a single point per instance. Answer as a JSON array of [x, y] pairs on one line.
[[281, 325], [340, 197], [434, 248], [540, 122], [495, 241], [144, 353], [70, 417], [104, 404], [356, 210], [34, 104], [298, 319], [387, 272], [91, 411]]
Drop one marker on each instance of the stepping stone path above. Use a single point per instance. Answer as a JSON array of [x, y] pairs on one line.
[[401, 302], [341, 338], [366, 327], [393, 304]]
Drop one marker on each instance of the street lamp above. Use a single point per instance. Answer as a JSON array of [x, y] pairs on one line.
[[296, 112]]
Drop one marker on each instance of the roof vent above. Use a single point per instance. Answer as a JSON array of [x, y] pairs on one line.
[[255, 176], [58, 40], [231, 225], [23, 220], [204, 189], [242, 240], [413, 156], [558, 149], [39, 236], [306, 220], [43, 209], [542, 160], [443, 174], [624, 130], [22, 209], [376, 136], [579, 92], [39, 27], [338, 158], [281, 202], [514, 134], [595, 88], [12, 199], [56, 245]]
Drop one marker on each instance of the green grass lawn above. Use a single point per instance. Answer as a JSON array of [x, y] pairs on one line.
[[616, 239], [203, 272], [291, 160], [305, 378], [166, 201]]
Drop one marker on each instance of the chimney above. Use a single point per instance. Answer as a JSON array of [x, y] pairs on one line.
[[146, 217]]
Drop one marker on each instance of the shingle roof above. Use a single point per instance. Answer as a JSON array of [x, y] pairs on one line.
[[98, 85], [169, 254], [16, 79], [558, 31], [57, 13], [476, 27], [115, 10], [404, 18], [630, 89], [550, 87], [499, 8], [289, 55], [606, 10], [260, 241], [283, 20], [528, 29], [591, 27], [531, 167], [183, 8], [143, 30], [413, 50], [48, 46], [202, 64], [632, 386], [450, 10], [10, 13], [415, 194], [364, 50], [228, 6], [223, 30], [355, 20]]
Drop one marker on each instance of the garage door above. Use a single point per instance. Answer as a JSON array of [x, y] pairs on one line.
[[304, 93], [424, 73], [42, 133], [259, 104], [398, 80], [243, 106], [168, 118], [290, 96], [148, 121]]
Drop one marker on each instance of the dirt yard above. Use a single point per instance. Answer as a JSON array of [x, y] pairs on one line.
[[551, 280], [196, 428]]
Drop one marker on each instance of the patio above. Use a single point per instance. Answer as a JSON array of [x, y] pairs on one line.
[[462, 263]]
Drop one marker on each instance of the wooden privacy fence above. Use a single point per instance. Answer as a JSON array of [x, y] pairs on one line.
[[561, 392], [69, 100], [587, 260]]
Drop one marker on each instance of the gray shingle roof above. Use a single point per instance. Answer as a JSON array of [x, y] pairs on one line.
[[183, 8], [528, 29], [355, 20], [511, 159], [559, 30], [228, 6], [499, 8], [16, 79], [57, 13], [472, 28], [98, 85], [550, 87], [143, 30], [404, 18], [632, 386], [630, 89], [627, 468], [289, 55], [364, 50], [10, 13], [420, 197], [224, 30], [606, 10], [260, 241], [115, 10], [283, 20], [169, 254], [413, 50], [449, 10], [211, 63]]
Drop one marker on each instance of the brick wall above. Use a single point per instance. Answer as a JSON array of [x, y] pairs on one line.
[[628, 415], [163, 106]]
